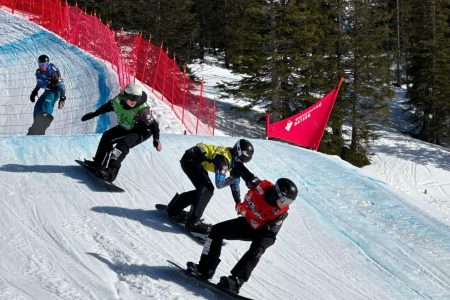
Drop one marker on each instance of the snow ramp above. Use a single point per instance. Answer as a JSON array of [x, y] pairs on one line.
[[63, 235]]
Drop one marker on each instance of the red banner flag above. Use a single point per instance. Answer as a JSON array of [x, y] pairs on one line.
[[305, 128]]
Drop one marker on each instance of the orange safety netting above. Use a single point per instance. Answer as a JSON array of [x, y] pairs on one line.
[[131, 56]]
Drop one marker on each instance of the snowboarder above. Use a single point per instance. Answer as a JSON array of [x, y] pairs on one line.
[[135, 125], [263, 211], [49, 78], [196, 162]]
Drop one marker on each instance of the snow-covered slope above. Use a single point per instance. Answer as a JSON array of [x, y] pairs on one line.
[[89, 82], [64, 236]]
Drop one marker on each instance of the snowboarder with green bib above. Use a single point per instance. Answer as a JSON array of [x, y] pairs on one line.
[[135, 125]]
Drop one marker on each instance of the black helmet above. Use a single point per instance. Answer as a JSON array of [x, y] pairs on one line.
[[43, 59], [286, 190], [243, 150]]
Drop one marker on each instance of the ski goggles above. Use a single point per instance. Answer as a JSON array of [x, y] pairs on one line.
[[283, 198], [131, 97], [43, 65]]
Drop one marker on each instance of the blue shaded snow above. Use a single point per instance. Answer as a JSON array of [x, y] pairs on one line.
[[21, 48], [386, 228], [407, 246]]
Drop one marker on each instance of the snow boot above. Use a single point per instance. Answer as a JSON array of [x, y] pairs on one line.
[[108, 174], [195, 225], [195, 269], [174, 212], [231, 283]]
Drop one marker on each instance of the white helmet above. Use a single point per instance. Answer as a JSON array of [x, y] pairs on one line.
[[133, 92]]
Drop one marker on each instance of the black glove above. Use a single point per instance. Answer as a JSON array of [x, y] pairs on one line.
[[253, 182], [61, 102], [33, 95], [238, 207], [89, 116]]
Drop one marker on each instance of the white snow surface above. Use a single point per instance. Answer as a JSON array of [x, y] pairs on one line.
[[352, 234]]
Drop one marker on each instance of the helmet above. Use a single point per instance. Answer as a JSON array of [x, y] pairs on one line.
[[133, 92], [243, 150], [286, 190], [43, 59]]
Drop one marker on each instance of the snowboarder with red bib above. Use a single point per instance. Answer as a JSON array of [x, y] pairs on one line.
[[263, 211]]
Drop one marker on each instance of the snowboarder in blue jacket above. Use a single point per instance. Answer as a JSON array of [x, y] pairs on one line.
[[49, 78]]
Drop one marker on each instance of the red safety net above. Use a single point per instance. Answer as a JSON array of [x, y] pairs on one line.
[[131, 56]]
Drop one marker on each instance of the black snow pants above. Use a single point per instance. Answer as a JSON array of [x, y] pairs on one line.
[[115, 144], [236, 229], [204, 189]]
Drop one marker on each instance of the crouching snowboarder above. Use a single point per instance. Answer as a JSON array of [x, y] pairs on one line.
[[263, 211], [135, 125], [196, 163]]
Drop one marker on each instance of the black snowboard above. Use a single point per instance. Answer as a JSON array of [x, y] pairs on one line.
[[199, 238], [110, 185], [40, 124], [222, 293]]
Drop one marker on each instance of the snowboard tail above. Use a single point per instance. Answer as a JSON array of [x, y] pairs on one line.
[[40, 124]]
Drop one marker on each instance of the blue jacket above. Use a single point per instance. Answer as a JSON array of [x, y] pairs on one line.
[[50, 79]]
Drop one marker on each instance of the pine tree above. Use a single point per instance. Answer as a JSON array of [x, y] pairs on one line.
[[429, 69], [369, 78], [210, 18], [273, 44], [335, 47], [171, 22], [400, 39]]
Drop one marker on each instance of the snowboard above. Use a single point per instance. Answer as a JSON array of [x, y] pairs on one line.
[[93, 172], [40, 124], [198, 237], [221, 292]]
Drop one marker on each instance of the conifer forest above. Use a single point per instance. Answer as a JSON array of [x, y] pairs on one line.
[[292, 52]]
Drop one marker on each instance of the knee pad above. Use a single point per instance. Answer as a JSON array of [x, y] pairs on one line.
[[115, 153], [119, 152], [122, 148]]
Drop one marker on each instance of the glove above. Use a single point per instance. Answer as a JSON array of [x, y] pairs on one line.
[[157, 145], [253, 182], [88, 116], [238, 208], [61, 102], [33, 95]]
